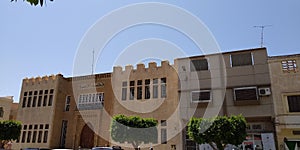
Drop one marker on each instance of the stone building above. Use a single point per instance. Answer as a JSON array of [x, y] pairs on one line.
[[285, 78], [73, 112], [8, 109], [150, 93]]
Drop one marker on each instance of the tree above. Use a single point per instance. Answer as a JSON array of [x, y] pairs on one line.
[[9, 130], [134, 130], [34, 2], [218, 132]]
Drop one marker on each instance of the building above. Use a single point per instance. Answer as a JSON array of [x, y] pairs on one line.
[[229, 83], [285, 78], [76, 112], [150, 93], [8, 109]]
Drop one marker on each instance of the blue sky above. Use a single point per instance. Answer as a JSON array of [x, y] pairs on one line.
[[38, 41]]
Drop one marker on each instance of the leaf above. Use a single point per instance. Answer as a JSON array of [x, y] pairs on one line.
[[41, 3]]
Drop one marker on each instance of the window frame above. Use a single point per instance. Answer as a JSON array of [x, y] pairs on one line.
[[231, 60], [289, 65], [201, 101], [288, 105], [194, 69], [245, 88]]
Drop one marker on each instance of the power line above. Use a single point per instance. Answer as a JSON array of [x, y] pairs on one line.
[[262, 33]]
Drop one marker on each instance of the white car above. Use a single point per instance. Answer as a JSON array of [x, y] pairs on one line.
[[102, 148]]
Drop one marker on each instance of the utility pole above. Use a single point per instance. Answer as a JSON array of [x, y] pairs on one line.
[[262, 33]]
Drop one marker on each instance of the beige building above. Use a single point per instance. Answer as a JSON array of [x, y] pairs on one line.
[[73, 112], [229, 83], [150, 93], [285, 78], [8, 109]]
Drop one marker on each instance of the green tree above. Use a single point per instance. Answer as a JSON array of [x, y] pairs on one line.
[[134, 130], [218, 132], [35, 2], [9, 130]]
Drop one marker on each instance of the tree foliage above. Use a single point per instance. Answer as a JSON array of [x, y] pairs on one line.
[[9, 130], [219, 131], [34, 2], [134, 130]]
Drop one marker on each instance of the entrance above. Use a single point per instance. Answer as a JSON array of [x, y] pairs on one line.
[[87, 137]]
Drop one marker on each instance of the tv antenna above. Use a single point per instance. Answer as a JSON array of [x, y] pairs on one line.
[[262, 33], [93, 62]]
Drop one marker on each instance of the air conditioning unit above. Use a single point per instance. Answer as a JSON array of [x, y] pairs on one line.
[[264, 91]]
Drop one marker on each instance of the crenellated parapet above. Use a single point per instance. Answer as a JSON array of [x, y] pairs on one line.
[[40, 79], [152, 66]]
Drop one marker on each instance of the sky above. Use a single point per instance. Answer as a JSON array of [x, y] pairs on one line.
[[38, 41]]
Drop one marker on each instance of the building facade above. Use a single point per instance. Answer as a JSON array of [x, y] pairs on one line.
[[76, 112], [285, 78], [230, 83], [8, 109]]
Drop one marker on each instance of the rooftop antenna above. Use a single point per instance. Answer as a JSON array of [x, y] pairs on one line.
[[262, 33], [93, 62]]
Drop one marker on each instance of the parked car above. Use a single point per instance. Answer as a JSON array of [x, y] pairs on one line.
[[102, 148], [107, 148]]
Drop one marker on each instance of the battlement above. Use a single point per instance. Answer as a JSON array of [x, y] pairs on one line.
[[43, 78], [141, 67]]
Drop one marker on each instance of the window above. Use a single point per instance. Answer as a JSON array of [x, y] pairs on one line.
[[34, 101], [34, 136], [88, 101], [47, 126], [131, 90], [45, 137], [67, 104], [1, 112], [163, 82], [155, 88], [40, 101], [24, 102], [163, 136], [45, 100], [124, 90], [201, 96], [294, 103], [23, 137], [40, 136], [198, 65], [147, 89], [245, 93], [63, 134], [28, 137], [242, 59], [296, 132], [289, 65], [139, 89], [50, 100], [163, 122], [29, 101]]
